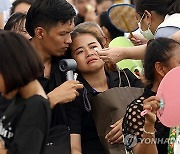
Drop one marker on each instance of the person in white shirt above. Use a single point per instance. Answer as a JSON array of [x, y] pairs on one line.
[[155, 19]]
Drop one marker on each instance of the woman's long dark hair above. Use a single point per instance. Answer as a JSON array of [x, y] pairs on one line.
[[158, 50]]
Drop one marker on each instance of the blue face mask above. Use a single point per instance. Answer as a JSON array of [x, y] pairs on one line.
[[147, 33]]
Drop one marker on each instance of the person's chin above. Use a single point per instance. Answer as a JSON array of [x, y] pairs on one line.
[[59, 54], [62, 52]]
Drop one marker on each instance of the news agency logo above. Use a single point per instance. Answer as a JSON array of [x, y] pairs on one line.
[[130, 140]]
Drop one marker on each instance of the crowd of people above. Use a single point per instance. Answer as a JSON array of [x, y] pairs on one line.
[[36, 98]]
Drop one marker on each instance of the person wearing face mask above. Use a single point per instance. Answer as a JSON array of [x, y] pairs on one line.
[[158, 18], [155, 19], [147, 33]]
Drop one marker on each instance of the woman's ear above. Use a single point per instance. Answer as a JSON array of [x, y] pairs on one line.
[[105, 31], [160, 69], [106, 37], [148, 16], [104, 42]]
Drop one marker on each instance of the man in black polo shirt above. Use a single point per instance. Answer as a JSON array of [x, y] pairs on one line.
[[49, 22]]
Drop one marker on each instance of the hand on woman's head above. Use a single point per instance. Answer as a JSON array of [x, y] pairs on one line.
[[112, 55]]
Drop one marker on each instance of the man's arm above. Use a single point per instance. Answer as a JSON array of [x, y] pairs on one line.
[[2, 149], [66, 92], [76, 144], [1, 20]]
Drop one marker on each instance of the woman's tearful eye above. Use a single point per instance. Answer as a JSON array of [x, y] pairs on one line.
[[95, 48]]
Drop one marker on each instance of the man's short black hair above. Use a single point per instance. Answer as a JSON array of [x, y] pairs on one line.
[[48, 13]]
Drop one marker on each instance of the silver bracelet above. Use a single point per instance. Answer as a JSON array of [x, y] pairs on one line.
[[149, 133]]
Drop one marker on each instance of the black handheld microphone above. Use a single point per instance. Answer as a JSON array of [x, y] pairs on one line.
[[68, 66]]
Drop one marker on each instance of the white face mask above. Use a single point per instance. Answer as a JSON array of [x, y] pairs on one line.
[[147, 33]]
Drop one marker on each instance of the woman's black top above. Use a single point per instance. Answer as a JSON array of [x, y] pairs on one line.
[[133, 124], [81, 121], [25, 124], [56, 79]]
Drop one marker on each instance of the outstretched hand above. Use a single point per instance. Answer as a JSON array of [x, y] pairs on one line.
[[65, 93], [111, 55]]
